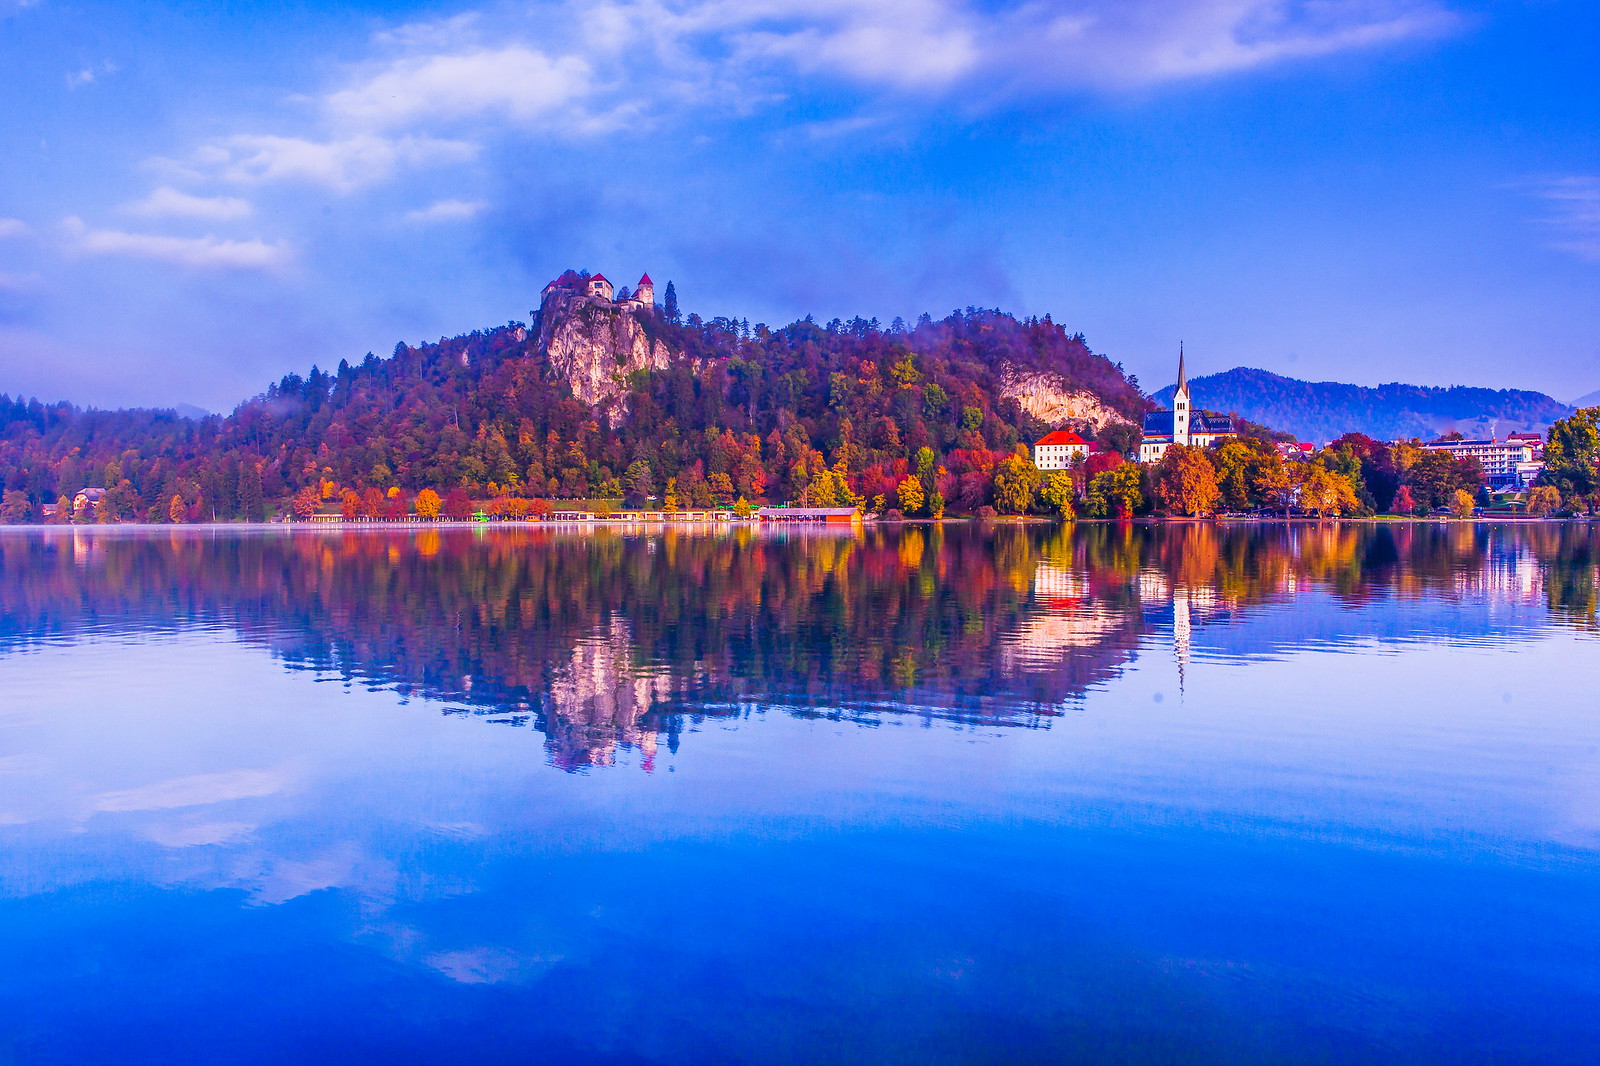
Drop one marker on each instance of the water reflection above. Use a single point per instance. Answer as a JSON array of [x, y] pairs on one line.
[[607, 642], [1210, 795]]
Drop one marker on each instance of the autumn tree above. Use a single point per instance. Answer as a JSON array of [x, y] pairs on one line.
[[428, 504], [457, 505], [1115, 493], [1327, 493], [1461, 504], [829, 488], [1057, 492], [1572, 454], [15, 507], [1016, 482], [909, 493], [1544, 499], [349, 505], [1436, 475], [176, 511], [1186, 482], [638, 484], [306, 502], [1404, 502], [1273, 480]]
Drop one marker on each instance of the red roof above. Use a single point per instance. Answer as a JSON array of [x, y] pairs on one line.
[[1061, 436], [599, 277], [644, 279]]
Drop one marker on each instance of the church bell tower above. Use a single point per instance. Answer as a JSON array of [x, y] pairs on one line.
[[1182, 405]]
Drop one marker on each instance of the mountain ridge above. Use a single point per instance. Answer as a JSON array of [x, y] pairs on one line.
[[1324, 410]]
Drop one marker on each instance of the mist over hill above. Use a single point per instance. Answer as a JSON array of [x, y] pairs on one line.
[[1323, 410]]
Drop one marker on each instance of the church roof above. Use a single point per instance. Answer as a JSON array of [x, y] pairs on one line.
[[1158, 424], [1204, 423]]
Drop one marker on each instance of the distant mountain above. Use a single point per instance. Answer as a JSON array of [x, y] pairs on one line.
[[1323, 410], [1591, 400]]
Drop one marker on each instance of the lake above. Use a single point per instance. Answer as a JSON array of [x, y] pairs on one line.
[[1187, 794]]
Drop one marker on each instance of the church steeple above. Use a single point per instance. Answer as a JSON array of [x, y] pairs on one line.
[[1182, 406]]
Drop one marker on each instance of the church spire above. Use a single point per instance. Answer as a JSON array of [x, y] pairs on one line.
[[1182, 381]]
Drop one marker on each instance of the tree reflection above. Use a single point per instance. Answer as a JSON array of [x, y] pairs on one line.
[[608, 642]]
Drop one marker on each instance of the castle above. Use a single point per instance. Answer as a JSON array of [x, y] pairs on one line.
[[1181, 425], [599, 287]]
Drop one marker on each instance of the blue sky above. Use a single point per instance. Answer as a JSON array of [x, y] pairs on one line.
[[196, 198]]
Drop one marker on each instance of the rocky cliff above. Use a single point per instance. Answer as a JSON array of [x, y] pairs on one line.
[[594, 344], [1044, 396]]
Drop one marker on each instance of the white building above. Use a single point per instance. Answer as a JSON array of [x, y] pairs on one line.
[[1508, 462], [1055, 451]]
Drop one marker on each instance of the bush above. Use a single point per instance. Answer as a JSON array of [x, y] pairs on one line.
[[894, 514], [986, 511]]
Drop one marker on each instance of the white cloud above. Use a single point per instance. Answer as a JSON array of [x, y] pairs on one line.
[[167, 202], [606, 64], [88, 75], [1575, 200], [343, 164], [193, 791], [516, 83], [1126, 45], [1018, 48], [193, 252], [13, 227], [447, 211]]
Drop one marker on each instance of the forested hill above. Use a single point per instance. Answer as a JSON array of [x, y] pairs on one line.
[[1323, 410], [732, 410]]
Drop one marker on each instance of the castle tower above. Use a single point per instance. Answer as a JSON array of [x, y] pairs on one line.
[[646, 292], [600, 287], [1182, 405]]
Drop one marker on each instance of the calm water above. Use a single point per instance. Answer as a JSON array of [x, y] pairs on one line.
[[1256, 795]]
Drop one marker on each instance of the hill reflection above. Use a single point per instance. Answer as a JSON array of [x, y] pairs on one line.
[[606, 642]]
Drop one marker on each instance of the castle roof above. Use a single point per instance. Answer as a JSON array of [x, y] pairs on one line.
[[1060, 436], [601, 277], [644, 279]]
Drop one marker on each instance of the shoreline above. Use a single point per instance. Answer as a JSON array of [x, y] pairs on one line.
[[713, 527]]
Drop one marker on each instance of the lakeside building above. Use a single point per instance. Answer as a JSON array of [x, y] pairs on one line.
[[1181, 425], [825, 515], [1055, 451], [1508, 463]]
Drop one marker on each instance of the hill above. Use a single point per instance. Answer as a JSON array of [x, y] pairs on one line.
[[1323, 410], [594, 397], [1591, 400]]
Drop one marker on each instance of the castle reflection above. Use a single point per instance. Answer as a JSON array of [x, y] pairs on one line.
[[609, 643]]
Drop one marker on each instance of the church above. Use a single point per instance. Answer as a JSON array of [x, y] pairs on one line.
[[1181, 425]]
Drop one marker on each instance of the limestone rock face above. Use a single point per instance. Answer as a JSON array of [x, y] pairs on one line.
[[1047, 398], [594, 344]]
